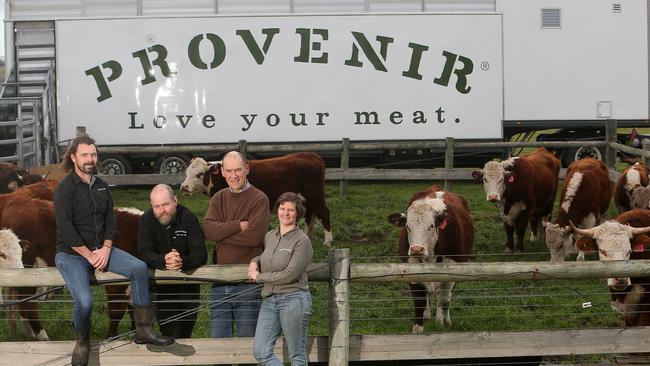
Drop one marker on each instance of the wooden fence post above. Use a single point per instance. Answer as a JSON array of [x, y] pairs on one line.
[[339, 308], [449, 159], [243, 146], [345, 164], [610, 135], [645, 156]]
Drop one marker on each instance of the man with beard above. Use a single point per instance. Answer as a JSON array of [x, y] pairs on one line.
[[86, 230], [170, 237]]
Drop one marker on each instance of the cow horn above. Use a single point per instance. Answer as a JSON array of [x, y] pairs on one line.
[[583, 232], [640, 230]]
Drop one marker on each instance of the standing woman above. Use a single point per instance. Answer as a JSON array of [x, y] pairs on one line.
[[281, 268]]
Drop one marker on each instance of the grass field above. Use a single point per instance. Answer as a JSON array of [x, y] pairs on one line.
[[360, 223]]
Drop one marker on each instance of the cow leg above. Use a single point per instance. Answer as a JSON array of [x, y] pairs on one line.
[[510, 230], [443, 294], [520, 231], [419, 294], [309, 221], [29, 312], [118, 302], [535, 221], [323, 213]]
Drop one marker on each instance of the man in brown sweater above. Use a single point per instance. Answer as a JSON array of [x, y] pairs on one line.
[[237, 220]]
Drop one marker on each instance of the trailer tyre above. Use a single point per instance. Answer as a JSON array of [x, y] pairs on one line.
[[581, 152], [173, 164], [114, 165]]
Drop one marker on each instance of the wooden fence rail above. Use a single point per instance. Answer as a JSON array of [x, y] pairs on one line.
[[344, 174], [340, 347]]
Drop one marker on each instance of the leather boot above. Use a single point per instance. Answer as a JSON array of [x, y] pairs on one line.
[[81, 348], [144, 332]]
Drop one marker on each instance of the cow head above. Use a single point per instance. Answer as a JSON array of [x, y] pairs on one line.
[[197, 177], [424, 219], [559, 241], [495, 177], [11, 252], [612, 241], [640, 197]]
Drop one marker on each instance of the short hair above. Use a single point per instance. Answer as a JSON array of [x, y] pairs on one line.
[[235, 153], [68, 164], [164, 187], [294, 198]]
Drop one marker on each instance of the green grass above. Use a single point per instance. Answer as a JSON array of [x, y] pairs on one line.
[[360, 223]]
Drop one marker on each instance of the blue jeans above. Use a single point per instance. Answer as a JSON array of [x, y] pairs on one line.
[[289, 314], [75, 270], [237, 305]]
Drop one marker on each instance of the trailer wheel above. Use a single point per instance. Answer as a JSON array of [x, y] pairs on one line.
[[581, 152], [114, 165], [173, 164]]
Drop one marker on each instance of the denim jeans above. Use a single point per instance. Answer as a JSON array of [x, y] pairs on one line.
[[237, 305], [290, 314], [75, 270]]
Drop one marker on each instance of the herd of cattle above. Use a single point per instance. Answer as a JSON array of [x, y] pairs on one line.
[[436, 227]]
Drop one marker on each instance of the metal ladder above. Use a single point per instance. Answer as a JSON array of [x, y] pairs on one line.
[[27, 101]]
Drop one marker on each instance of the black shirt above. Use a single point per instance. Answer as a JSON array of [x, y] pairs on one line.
[[183, 234], [84, 213]]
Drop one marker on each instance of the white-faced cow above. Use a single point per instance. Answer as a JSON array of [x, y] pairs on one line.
[[524, 189], [303, 173], [33, 220], [437, 227], [10, 251], [635, 176], [584, 199], [621, 240], [640, 197]]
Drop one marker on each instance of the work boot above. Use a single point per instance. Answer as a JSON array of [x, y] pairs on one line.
[[81, 348], [144, 332]]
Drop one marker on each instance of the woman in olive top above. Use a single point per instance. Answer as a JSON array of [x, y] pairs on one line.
[[281, 268]]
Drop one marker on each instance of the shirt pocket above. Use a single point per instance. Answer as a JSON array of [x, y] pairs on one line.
[[179, 241], [281, 258], [101, 198]]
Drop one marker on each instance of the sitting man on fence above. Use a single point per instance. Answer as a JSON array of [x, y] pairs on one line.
[[86, 229]]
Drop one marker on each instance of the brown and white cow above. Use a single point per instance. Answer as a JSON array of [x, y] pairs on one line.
[[302, 172], [33, 220], [584, 199], [437, 227], [10, 251], [12, 177], [630, 296], [633, 177], [524, 189]]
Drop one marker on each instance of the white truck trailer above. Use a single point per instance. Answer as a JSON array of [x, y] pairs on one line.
[[156, 82]]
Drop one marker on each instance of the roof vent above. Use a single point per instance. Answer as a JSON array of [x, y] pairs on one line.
[[617, 7], [551, 18]]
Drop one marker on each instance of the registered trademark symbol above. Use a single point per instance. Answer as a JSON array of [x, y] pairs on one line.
[[485, 66]]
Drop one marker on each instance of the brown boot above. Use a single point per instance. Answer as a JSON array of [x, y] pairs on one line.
[[81, 348], [144, 332]]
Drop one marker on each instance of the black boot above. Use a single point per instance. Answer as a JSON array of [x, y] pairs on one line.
[[81, 348], [144, 332]]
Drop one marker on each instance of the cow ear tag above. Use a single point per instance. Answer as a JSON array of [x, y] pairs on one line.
[[442, 224], [511, 179], [638, 247]]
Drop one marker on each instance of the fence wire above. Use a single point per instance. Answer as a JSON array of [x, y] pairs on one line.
[[387, 308]]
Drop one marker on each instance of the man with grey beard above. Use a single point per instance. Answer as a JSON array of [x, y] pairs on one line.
[[170, 238]]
